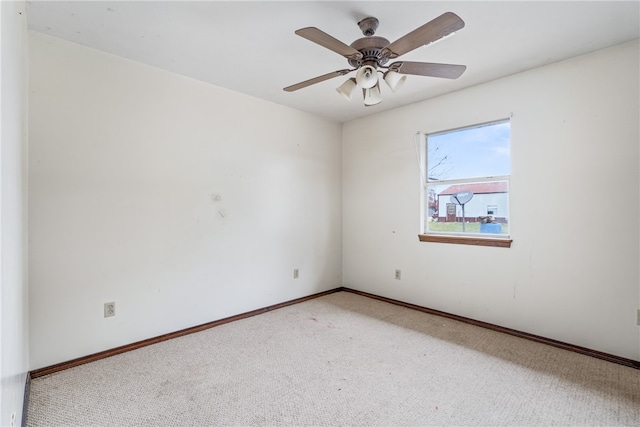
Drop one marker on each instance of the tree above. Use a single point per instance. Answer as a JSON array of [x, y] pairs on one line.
[[438, 167], [432, 203]]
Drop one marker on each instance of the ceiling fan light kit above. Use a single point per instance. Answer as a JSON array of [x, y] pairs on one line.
[[367, 77], [347, 88], [372, 96], [394, 80], [369, 53]]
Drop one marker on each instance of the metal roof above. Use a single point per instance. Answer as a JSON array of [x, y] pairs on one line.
[[477, 188]]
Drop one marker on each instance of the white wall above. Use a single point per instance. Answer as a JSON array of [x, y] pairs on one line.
[[13, 213], [186, 203], [181, 201], [575, 138]]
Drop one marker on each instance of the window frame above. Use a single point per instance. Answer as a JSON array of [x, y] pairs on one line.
[[458, 237]]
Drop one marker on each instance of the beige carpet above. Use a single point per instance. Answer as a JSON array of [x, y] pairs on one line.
[[342, 359]]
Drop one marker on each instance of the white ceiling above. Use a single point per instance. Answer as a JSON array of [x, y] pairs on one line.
[[250, 47]]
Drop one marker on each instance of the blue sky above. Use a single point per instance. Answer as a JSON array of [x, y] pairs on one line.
[[472, 152]]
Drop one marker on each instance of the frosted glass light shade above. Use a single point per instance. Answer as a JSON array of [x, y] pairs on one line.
[[347, 88], [394, 80], [372, 96], [367, 77]]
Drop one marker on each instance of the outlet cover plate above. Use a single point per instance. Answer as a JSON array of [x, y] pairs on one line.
[[109, 309]]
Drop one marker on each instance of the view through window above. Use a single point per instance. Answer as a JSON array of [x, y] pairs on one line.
[[467, 188]]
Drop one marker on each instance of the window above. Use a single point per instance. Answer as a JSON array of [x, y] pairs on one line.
[[467, 185]]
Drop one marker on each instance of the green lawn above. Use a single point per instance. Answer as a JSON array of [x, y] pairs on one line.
[[456, 227]]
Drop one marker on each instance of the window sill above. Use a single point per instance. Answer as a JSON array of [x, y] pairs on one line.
[[476, 241]]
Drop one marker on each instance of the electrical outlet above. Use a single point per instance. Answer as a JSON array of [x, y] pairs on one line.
[[296, 273], [13, 420], [398, 274], [109, 309]]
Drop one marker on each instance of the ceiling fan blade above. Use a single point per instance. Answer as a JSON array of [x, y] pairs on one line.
[[429, 69], [325, 40], [433, 30], [316, 80]]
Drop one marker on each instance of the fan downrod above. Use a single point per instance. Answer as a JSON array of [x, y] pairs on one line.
[[370, 46]]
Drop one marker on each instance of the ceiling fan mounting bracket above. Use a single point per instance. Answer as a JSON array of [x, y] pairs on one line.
[[368, 26]]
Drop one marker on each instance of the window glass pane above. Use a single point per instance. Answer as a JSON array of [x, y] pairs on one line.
[[480, 151], [467, 189], [465, 208]]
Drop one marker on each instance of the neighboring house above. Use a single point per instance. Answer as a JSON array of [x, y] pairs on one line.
[[489, 198]]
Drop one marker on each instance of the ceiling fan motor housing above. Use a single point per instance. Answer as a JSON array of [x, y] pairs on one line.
[[371, 50]]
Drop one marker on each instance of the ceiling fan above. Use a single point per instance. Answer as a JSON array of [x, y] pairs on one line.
[[369, 54]]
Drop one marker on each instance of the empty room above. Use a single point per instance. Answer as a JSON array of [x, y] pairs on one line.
[[320, 213]]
